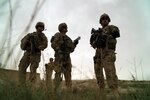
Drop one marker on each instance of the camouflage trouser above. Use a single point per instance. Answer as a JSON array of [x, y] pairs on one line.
[[107, 61], [26, 60], [62, 67]]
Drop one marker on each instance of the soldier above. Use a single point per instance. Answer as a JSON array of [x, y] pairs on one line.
[[32, 44], [104, 41], [49, 70], [63, 46]]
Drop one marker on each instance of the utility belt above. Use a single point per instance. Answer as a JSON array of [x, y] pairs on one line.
[[29, 50], [36, 51], [62, 55], [107, 49], [102, 52]]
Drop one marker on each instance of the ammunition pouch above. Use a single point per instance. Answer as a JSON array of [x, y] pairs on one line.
[[63, 47], [115, 31], [112, 43]]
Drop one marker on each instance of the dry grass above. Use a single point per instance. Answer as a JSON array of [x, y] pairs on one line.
[[81, 90]]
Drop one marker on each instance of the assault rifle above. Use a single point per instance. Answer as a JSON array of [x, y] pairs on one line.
[[64, 45], [76, 41], [98, 38], [33, 45]]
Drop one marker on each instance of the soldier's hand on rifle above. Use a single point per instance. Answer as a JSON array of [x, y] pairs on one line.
[[76, 41]]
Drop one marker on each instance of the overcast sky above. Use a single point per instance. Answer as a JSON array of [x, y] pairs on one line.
[[131, 16]]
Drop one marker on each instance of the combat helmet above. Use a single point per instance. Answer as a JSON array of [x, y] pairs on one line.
[[61, 25], [39, 24], [104, 16]]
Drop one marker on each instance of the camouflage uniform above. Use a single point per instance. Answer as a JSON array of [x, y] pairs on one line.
[[32, 54], [62, 46], [49, 69], [105, 59]]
